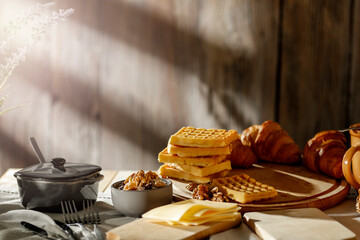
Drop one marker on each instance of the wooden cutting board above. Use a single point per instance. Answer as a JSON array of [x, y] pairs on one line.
[[303, 223], [145, 229], [297, 187]]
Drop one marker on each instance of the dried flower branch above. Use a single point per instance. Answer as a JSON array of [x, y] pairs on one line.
[[20, 22], [39, 22]]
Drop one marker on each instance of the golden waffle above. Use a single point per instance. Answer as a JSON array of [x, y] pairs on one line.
[[165, 157], [202, 171], [198, 151], [201, 137], [167, 171], [244, 189]]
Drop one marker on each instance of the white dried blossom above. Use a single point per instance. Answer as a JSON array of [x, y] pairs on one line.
[[21, 21], [39, 21]]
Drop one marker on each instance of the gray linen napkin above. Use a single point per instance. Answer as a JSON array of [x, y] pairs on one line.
[[12, 212], [12, 218]]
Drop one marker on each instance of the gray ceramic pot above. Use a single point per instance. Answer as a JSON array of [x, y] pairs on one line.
[[134, 203], [43, 186]]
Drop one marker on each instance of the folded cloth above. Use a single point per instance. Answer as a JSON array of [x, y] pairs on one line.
[[12, 218], [12, 213]]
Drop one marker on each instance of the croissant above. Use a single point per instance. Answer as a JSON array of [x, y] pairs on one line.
[[324, 153], [242, 156], [271, 143]]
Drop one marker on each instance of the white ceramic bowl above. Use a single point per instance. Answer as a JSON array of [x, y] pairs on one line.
[[134, 203]]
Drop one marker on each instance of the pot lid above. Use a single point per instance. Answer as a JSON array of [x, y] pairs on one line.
[[58, 169]]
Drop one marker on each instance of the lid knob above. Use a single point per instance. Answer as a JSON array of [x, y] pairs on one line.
[[59, 163]]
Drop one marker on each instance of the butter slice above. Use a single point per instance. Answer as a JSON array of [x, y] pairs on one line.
[[194, 212]]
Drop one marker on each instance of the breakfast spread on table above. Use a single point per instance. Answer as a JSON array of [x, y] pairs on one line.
[[206, 158], [222, 173], [192, 155]]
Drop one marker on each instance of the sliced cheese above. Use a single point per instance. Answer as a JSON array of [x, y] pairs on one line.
[[209, 213], [222, 217], [194, 212]]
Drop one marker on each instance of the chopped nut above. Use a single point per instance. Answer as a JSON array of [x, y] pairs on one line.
[[215, 190], [191, 186], [141, 180], [218, 196], [202, 192], [158, 183]]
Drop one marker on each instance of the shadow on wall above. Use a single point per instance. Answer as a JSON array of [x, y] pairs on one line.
[[227, 74], [13, 150], [228, 70]]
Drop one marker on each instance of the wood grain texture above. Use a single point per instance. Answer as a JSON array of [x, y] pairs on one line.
[[302, 223], [314, 67], [136, 230], [354, 96], [75, 85], [33, 119], [113, 82], [183, 49], [298, 188]]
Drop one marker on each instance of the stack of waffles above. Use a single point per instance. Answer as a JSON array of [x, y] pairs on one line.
[[198, 154]]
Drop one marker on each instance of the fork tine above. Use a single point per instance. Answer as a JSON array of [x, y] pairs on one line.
[[90, 213], [84, 212], [71, 212], [63, 212], [76, 215], [98, 220], [87, 211], [92, 210], [67, 212]]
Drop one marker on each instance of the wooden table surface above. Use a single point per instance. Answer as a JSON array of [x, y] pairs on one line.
[[344, 213]]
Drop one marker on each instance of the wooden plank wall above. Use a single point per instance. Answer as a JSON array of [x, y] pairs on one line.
[[315, 67], [109, 85]]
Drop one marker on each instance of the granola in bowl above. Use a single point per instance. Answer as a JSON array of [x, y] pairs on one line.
[[141, 181]]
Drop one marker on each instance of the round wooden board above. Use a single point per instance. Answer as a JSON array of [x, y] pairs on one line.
[[297, 187]]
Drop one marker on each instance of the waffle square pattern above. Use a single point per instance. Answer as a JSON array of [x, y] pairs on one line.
[[243, 189], [201, 137]]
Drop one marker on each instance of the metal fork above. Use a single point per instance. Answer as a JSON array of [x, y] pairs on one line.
[[90, 215], [71, 215]]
